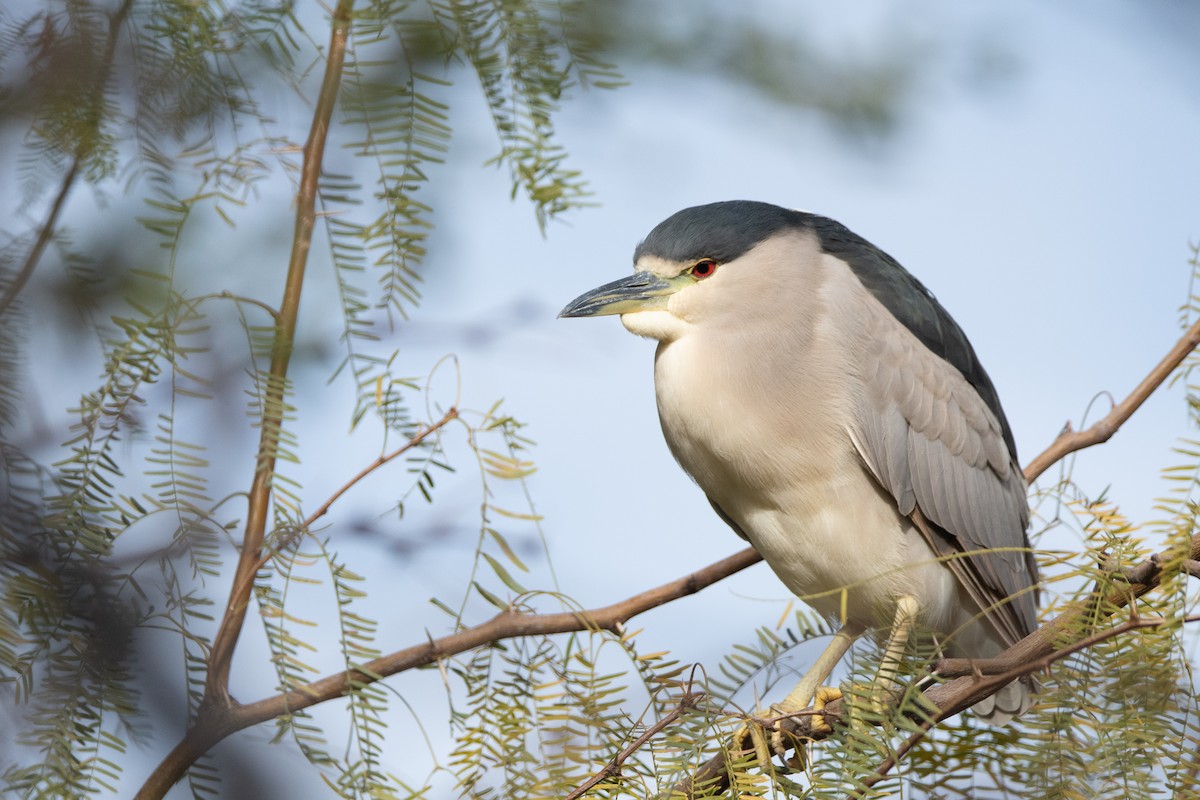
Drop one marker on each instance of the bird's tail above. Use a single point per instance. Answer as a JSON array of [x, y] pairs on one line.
[[1011, 701]]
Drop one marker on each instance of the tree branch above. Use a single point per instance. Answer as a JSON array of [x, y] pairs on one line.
[[219, 722], [216, 688], [1070, 441], [505, 625], [211, 724]]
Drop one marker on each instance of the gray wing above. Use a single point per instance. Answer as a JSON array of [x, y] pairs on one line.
[[936, 446]]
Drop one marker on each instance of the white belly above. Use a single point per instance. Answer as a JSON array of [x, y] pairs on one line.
[[792, 481]]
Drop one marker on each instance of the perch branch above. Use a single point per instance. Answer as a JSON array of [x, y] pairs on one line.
[[1032, 653]]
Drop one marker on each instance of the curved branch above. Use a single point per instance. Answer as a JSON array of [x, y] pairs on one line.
[[1070, 441]]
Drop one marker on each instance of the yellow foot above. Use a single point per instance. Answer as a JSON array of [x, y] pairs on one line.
[[762, 734], [825, 695]]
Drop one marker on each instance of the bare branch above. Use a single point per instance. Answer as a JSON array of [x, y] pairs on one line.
[[1071, 441], [452, 414], [505, 625]]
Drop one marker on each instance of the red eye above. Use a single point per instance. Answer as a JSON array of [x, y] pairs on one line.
[[704, 269]]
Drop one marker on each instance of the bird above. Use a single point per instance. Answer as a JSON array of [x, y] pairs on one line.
[[837, 417]]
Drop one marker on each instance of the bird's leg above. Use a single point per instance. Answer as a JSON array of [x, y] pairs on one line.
[[799, 698], [905, 620], [802, 696]]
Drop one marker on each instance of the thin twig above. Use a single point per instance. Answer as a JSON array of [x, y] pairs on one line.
[[1071, 441], [323, 509], [613, 767], [450, 415]]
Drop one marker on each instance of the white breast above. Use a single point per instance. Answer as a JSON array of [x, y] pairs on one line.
[[758, 423]]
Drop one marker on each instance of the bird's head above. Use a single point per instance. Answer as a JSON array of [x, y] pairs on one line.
[[705, 264]]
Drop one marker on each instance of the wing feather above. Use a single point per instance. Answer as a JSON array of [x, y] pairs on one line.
[[936, 446]]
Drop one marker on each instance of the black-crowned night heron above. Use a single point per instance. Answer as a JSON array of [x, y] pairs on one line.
[[839, 420]]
